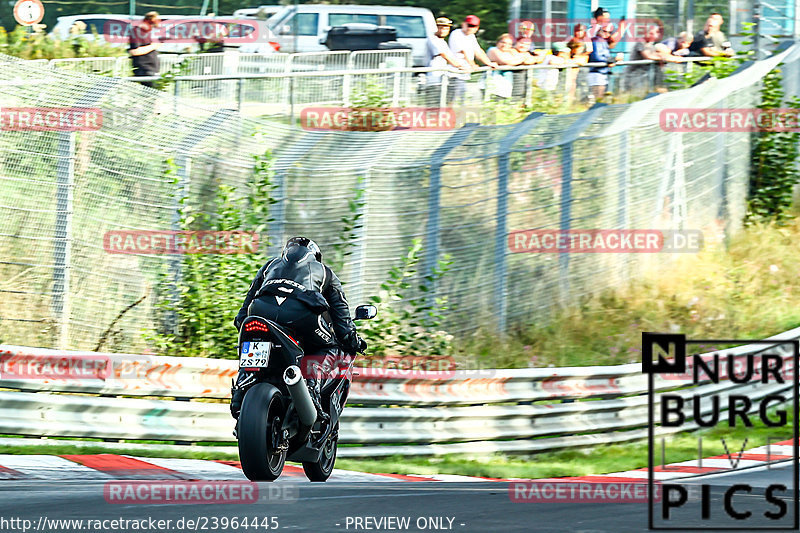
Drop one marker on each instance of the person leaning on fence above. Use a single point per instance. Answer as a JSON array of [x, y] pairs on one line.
[[504, 54], [597, 78], [675, 47], [548, 78], [523, 49], [579, 45], [465, 45], [440, 56], [646, 77], [710, 41], [143, 51], [524, 31], [602, 19]]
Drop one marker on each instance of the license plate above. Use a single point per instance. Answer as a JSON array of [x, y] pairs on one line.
[[255, 354]]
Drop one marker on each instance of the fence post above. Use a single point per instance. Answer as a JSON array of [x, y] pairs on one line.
[[623, 181], [239, 94], [62, 242], [291, 154], [443, 92], [528, 95], [565, 220], [434, 199], [346, 90], [395, 89], [722, 174], [183, 162], [62, 235], [501, 229]]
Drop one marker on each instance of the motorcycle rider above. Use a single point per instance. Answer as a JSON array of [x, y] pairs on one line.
[[298, 291]]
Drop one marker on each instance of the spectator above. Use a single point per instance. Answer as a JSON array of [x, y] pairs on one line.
[[548, 78], [598, 76], [720, 42], [440, 56], [602, 20], [710, 41], [641, 76], [463, 42], [504, 53], [465, 46], [524, 31], [579, 45], [675, 46], [523, 47], [143, 51]]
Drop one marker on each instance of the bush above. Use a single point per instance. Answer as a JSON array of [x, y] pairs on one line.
[[212, 286], [20, 43], [409, 325]]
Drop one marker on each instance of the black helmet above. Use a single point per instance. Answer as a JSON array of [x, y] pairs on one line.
[[297, 243]]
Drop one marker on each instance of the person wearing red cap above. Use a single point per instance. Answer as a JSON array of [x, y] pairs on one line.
[[465, 46], [464, 43]]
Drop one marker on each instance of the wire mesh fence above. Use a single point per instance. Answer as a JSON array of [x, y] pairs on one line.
[[464, 192]]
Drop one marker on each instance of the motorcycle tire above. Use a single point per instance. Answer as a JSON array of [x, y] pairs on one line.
[[322, 470], [259, 430]]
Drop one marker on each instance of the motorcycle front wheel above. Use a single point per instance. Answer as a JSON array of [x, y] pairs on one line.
[[260, 433]]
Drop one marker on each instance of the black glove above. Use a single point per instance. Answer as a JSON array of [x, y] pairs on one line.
[[362, 345]]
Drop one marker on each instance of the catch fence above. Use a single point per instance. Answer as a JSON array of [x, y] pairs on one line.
[[462, 192]]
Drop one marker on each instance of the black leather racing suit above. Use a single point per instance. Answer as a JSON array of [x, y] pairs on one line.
[[297, 291]]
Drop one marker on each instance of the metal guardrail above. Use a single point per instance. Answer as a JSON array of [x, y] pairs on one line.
[[617, 411], [232, 63], [276, 83]]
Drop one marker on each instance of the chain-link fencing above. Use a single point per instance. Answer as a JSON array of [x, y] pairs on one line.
[[463, 192]]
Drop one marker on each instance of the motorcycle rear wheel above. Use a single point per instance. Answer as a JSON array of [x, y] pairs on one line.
[[260, 433]]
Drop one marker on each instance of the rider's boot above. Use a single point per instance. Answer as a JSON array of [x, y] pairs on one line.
[[316, 397]]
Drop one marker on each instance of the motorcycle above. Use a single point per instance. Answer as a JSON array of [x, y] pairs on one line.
[[278, 420]]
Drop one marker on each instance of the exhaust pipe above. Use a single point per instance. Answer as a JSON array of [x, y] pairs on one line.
[[300, 395]]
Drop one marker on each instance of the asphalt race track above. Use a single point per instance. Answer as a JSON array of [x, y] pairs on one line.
[[359, 506]]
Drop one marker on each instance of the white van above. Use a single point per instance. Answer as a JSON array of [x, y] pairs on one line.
[[261, 12], [313, 21]]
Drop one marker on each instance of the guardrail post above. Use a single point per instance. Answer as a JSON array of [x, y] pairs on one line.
[[434, 199], [501, 229]]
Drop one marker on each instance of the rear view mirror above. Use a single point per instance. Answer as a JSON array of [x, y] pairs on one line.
[[366, 312]]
